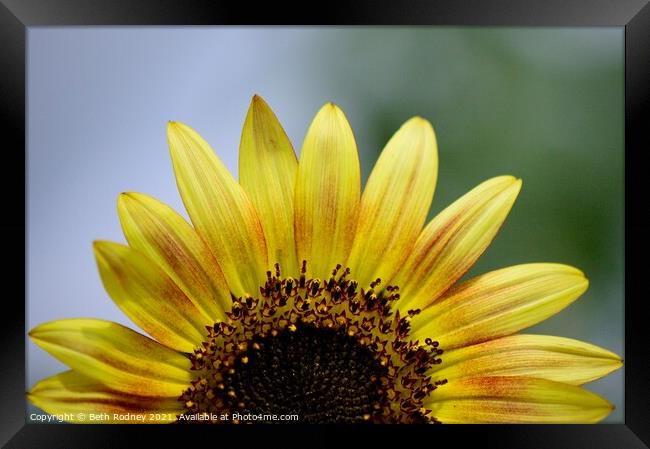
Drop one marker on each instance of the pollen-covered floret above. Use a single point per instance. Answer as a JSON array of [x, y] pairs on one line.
[[326, 350]]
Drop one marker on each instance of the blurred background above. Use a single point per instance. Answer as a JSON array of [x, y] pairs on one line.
[[543, 104]]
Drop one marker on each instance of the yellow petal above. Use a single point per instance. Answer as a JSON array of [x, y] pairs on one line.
[[545, 357], [450, 244], [516, 400], [149, 297], [499, 303], [220, 210], [160, 233], [395, 202], [80, 399], [328, 188], [116, 356], [267, 172]]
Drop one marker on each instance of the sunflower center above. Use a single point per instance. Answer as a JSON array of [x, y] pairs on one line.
[[322, 375], [325, 350]]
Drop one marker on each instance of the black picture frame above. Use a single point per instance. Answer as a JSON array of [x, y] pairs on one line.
[[17, 15]]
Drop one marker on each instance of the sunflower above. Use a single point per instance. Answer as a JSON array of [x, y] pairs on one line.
[[291, 294]]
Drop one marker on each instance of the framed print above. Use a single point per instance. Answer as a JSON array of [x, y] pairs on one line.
[[384, 214]]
